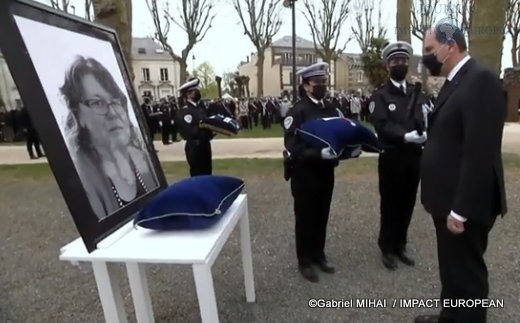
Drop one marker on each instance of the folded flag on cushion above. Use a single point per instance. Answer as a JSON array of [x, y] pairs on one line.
[[338, 133], [221, 124], [194, 203]]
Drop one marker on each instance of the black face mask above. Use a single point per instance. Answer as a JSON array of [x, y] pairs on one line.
[[398, 72], [319, 91], [196, 96], [432, 64]]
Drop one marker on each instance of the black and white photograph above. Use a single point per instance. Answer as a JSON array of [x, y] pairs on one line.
[[75, 84], [88, 98]]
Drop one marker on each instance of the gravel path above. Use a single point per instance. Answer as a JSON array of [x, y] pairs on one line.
[[36, 287]]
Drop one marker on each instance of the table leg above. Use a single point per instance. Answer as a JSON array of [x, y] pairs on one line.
[[247, 259], [109, 292], [205, 293], [140, 293]]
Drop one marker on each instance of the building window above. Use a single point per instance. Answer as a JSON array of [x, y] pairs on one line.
[[164, 74], [141, 51], [360, 76], [146, 74], [147, 94]]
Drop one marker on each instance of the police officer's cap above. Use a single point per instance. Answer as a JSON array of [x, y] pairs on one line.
[[190, 85], [315, 70], [398, 48]]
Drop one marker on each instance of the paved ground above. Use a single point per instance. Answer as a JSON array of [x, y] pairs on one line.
[[236, 148], [35, 287]]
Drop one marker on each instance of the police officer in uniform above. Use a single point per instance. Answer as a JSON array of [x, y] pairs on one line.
[[311, 171], [399, 162], [198, 145]]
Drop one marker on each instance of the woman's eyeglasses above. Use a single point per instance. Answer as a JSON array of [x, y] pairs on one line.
[[101, 107]]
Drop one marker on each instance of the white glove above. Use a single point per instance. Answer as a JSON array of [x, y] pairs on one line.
[[414, 138], [328, 153], [356, 152], [160, 123]]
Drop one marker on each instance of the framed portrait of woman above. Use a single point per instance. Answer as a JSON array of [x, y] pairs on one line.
[[74, 81]]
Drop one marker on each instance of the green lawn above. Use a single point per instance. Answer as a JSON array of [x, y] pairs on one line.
[[233, 167]]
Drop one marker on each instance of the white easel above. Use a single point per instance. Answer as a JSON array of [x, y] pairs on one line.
[[138, 247]]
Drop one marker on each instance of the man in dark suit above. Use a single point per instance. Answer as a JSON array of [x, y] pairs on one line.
[[462, 180]]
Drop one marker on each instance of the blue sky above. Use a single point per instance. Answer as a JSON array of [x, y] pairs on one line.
[[226, 45]]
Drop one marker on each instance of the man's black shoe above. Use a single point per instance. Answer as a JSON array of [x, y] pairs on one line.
[[405, 259], [390, 261], [326, 267], [308, 273]]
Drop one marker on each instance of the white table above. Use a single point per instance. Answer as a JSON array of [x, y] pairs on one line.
[[137, 247]]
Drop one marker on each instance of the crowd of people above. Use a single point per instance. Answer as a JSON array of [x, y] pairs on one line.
[[250, 113]]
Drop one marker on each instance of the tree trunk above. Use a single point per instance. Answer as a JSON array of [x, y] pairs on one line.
[[183, 73], [514, 56], [117, 14], [260, 73], [487, 36], [512, 87], [404, 20]]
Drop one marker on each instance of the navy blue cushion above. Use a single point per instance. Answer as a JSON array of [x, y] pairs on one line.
[[193, 203], [221, 124], [338, 133]]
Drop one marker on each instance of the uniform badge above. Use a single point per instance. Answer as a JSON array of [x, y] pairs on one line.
[[391, 107], [371, 107], [287, 122], [188, 118]]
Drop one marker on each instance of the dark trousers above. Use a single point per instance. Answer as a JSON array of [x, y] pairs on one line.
[[198, 154], [244, 122], [166, 132], [462, 268], [398, 182], [266, 121], [33, 140], [311, 188]]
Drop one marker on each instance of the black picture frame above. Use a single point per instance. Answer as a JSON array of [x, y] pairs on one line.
[[26, 56]]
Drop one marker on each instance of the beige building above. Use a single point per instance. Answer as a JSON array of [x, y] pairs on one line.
[[156, 75], [8, 91], [346, 72], [278, 66]]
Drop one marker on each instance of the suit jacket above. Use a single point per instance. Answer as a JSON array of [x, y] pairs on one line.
[[461, 167]]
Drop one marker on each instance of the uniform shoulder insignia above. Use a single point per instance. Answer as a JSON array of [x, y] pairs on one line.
[[371, 106], [287, 122], [188, 118]]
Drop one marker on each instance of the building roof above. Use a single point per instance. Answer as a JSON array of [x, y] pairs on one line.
[[286, 41], [149, 49]]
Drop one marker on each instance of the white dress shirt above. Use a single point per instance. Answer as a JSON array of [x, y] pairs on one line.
[[450, 77], [399, 84]]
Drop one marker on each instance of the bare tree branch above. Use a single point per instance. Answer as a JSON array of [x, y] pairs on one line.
[[461, 12], [513, 29], [364, 29], [326, 24], [195, 19], [261, 22], [423, 16]]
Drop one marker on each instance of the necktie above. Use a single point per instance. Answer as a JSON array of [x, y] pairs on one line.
[[401, 87], [445, 85]]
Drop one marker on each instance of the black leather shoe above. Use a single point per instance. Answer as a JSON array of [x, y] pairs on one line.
[[390, 261], [308, 273], [427, 319], [326, 267], [405, 259]]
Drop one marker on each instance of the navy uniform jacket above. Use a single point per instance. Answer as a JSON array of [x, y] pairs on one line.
[[389, 108], [305, 110], [188, 119]]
